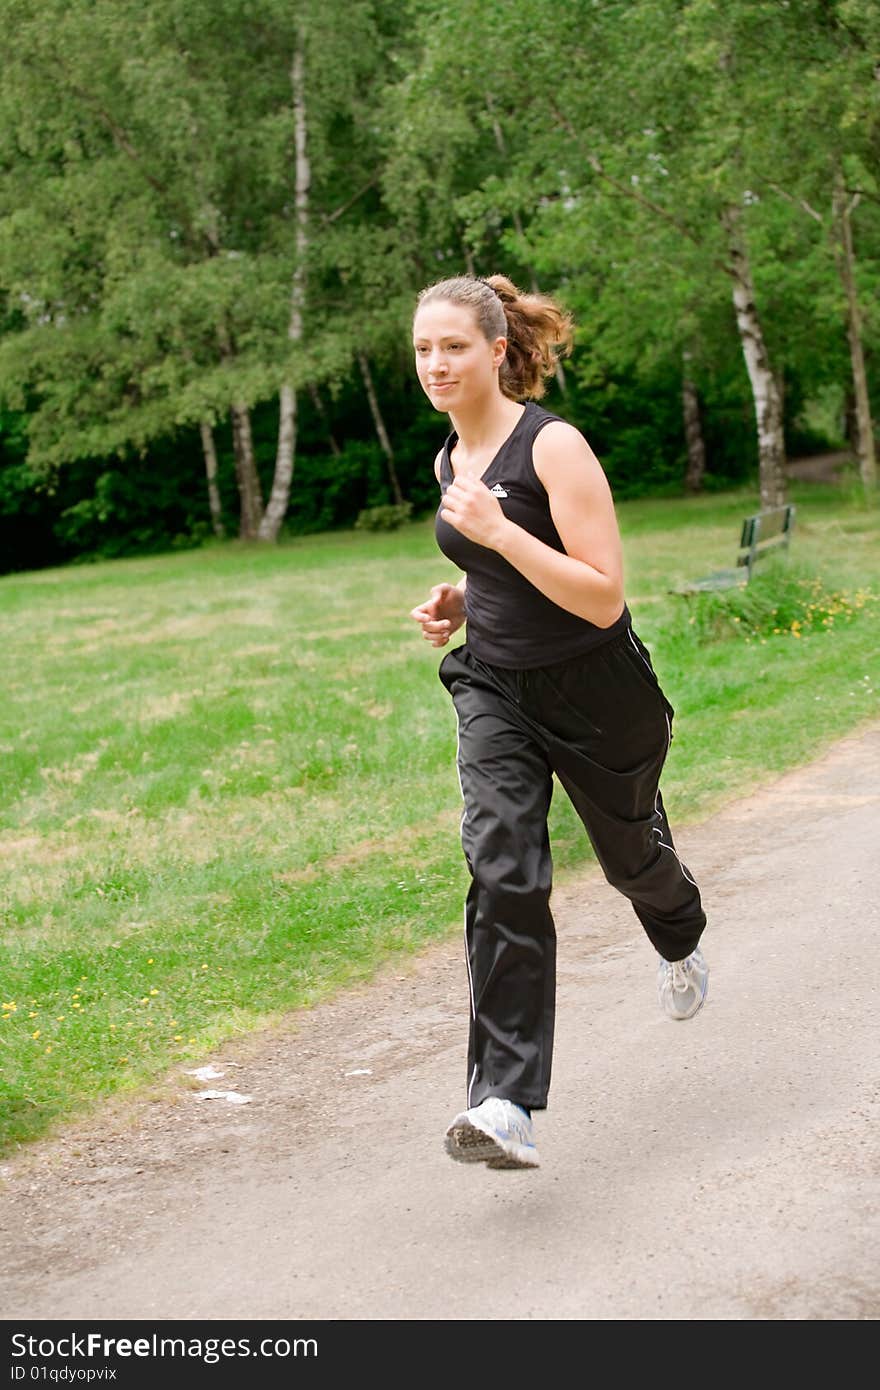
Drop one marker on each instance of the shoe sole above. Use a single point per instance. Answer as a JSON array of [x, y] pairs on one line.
[[465, 1142]]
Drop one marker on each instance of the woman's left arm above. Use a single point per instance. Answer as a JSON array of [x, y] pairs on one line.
[[588, 579]]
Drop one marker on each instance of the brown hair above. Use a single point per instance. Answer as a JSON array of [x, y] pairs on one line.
[[538, 332]]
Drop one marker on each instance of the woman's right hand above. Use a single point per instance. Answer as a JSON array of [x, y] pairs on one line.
[[440, 615]]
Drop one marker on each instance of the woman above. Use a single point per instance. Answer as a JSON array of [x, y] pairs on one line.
[[551, 679]]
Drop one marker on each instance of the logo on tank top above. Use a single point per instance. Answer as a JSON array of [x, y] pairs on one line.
[[498, 491]]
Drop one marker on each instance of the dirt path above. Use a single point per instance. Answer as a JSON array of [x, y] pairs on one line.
[[724, 1168], [820, 468]]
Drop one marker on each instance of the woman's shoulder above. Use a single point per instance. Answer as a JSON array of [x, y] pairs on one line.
[[560, 451], [550, 432]]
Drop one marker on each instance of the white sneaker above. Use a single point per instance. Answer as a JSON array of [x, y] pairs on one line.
[[497, 1133], [682, 985]]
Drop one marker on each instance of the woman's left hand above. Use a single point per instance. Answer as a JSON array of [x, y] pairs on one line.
[[472, 509]]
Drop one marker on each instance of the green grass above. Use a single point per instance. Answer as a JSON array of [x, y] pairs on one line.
[[228, 778]]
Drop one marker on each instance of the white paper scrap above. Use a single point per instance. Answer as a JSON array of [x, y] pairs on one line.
[[360, 1071], [208, 1073], [234, 1097]]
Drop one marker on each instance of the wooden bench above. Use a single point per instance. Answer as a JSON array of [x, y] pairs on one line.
[[761, 535]]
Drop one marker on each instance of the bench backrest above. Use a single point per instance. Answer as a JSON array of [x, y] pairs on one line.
[[763, 532]]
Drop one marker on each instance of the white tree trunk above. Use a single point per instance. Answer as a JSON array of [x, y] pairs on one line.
[[768, 405], [846, 261], [379, 423], [693, 432], [277, 509], [210, 454]]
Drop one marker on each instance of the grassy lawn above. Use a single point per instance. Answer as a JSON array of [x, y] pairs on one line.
[[228, 775]]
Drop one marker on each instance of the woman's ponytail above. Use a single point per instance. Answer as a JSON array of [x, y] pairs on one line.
[[538, 334]]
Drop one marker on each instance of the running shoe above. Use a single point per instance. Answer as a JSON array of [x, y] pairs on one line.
[[682, 985], [497, 1133]]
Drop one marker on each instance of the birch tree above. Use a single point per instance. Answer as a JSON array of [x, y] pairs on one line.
[[843, 207], [828, 122], [278, 501], [592, 137], [802, 96], [178, 139], [668, 111], [120, 123]]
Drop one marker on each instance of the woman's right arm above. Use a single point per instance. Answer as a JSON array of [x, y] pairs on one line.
[[442, 613]]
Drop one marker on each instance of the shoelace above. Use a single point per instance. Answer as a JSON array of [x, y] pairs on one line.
[[680, 980]]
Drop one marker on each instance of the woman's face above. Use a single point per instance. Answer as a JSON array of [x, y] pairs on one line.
[[456, 365]]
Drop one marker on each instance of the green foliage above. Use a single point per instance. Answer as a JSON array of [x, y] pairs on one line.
[[784, 598], [148, 235], [129, 512], [387, 518], [332, 489]]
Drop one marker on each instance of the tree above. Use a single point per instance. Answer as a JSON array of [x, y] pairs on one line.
[[828, 120], [195, 246], [653, 122]]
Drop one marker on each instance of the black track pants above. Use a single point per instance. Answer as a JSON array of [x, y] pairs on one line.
[[602, 724]]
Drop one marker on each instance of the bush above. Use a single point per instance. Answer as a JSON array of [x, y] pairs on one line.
[[783, 599], [383, 518]]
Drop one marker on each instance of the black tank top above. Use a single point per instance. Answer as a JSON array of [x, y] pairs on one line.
[[510, 623]]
